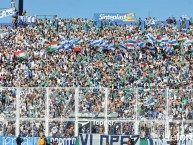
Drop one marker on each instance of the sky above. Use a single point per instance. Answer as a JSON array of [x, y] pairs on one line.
[[161, 9]]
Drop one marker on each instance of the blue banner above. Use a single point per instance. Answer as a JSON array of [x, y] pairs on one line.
[[12, 141], [34, 140]]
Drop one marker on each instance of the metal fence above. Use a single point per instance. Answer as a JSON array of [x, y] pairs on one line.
[[70, 111]]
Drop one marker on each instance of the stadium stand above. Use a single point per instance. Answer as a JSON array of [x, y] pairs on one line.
[[123, 74]]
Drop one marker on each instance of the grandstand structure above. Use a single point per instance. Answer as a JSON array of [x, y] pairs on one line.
[[85, 121], [122, 85]]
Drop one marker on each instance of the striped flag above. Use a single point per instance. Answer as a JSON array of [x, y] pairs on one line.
[[164, 40], [151, 38], [191, 40], [158, 40], [75, 42], [141, 44], [53, 46], [20, 54], [182, 38], [162, 46], [187, 43], [131, 41], [169, 49], [173, 42], [111, 47], [130, 44], [97, 42], [123, 48], [65, 44]]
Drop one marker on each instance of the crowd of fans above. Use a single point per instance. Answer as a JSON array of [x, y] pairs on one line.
[[122, 103], [61, 128], [33, 128], [8, 102], [8, 127], [118, 57], [181, 105], [152, 104], [91, 103], [62, 104], [110, 64], [32, 103], [180, 128]]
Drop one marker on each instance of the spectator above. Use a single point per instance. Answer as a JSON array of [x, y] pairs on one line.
[[173, 141], [130, 141], [19, 140], [41, 141], [24, 13]]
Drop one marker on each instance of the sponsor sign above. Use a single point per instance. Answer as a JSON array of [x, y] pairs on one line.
[[34, 140], [118, 17], [97, 139], [63, 141]]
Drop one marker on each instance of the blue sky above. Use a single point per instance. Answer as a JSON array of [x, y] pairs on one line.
[[86, 8]]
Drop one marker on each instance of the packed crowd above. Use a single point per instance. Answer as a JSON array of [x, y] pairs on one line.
[[61, 128], [8, 102], [92, 103], [85, 55], [33, 128], [62, 104], [152, 104], [8, 127], [181, 128], [122, 103], [32, 103], [181, 105]]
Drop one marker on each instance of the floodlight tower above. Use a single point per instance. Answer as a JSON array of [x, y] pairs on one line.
[[19, 6]]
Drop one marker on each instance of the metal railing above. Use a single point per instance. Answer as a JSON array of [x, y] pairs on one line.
[[144, 110]]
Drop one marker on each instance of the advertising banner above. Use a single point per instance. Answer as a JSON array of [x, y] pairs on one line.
[[115, 17], [7, 12], [27, 19], [34, 140], [97, 139], [63, 141], [12, 141]]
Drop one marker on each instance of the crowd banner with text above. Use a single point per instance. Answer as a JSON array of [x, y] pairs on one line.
[[97, 139]]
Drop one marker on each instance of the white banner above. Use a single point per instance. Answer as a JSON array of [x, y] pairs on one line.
[[7, 12], [99, 139], [27, 19]]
